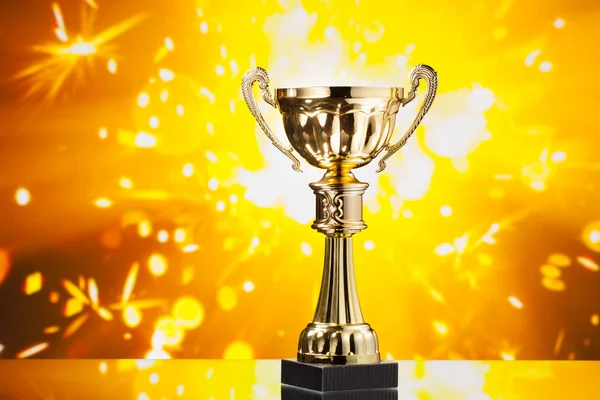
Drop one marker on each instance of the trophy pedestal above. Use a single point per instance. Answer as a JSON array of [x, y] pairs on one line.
[[354, 379], [294, 393]]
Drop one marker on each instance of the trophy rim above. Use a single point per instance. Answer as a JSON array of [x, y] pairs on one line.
[[345, 92]]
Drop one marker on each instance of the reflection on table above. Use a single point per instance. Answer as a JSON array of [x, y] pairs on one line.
[[220, 379]]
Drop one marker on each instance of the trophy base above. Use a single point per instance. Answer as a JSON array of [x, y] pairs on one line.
[[337, 378], [294, 393]]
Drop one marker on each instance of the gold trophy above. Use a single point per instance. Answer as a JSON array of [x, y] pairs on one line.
[[338, 129]]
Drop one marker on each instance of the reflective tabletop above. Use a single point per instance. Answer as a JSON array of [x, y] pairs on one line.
[[260, 379]]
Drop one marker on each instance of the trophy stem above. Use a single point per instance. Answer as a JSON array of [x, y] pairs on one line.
[[338, 300], [338, 333]]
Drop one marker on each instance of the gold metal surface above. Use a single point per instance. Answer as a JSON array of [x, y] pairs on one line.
[[338, 129], [338, 333]]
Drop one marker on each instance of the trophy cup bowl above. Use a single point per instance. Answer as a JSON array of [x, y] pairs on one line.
[[338, 129]]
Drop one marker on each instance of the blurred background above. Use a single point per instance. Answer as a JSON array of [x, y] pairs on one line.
[[143, 214]]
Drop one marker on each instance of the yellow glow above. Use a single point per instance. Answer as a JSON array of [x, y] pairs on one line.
[[595, 319], [157, 354], [144, 228], [103, 202], [591, 236], [306, 249], [130, 282], [103, 367], [145, 140], [545, 66], [166, 75], [440, 327], [204, 27], [248, 286], [162, 236], [112, 66], [550, 271], [72, 307], [102, 133], [188, 275], [190, 248], [157, 264], [446, 211], [530, 59], [444, 249], [154, 122], [171, 331], [558, 156], [104, 314], [32, 350], [93, 293], [188, 170], [588, 263], [22, 196], [61, 35], [164, 96], [188, 313], [227, 298], [132, 316], [33, 283], [64, 60], [179, 235], [143, 364], [143, 99], [559, 259], [213, 184], [51, 330], [538, 185], [238, 350], [60, 22], [54, 297], [553, 284], [80, 48], [126, 182], [515, 302], [559, 23]]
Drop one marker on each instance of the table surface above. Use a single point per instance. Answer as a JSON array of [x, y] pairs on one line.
[[260, 379]]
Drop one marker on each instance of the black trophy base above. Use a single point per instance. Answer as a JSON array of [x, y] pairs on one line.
[[337, 378], [296, 393]]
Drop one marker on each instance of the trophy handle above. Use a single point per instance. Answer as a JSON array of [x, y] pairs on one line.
[[261, 76], [421, 71]]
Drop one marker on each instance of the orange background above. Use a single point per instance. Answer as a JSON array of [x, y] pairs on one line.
[[143, 213]]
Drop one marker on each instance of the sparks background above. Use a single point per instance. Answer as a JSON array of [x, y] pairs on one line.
[[145, 215]]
